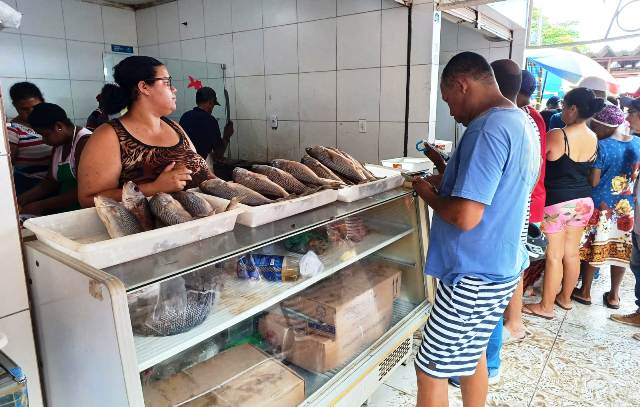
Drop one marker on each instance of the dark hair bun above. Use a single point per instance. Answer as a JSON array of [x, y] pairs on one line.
[[585, 101], [127, 74], [595, 105]]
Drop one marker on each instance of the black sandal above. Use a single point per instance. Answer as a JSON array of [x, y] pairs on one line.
[[605, 301], [578, 299]]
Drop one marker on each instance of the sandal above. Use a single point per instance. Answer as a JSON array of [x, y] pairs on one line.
[[578, 299], [528, 311], [562, 306], [605, 300]]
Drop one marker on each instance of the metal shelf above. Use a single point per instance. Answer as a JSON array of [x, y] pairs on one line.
[[242, 299]]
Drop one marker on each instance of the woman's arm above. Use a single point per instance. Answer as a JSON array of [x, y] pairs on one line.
[[99, 167], [594, 176], [555, 147]]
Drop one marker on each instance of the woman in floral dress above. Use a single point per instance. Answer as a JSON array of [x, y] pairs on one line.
[[607, 238]]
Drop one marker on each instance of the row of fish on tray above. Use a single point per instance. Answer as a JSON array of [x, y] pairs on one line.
[[321, 168]]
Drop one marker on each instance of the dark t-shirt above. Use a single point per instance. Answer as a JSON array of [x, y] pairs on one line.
[[546, 115], [203, 130]]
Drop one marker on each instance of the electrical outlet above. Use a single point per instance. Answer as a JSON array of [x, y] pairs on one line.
[[362, 126], [274, 121]]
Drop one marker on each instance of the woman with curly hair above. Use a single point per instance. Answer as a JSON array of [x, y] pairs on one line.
[[607, 238]]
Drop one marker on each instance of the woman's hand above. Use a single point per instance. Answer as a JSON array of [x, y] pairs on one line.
[[172, 179]]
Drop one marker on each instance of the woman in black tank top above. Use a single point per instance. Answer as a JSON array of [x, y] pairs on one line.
[[571, 152]]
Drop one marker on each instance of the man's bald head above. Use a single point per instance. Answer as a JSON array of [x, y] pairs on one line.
[[509, 77]]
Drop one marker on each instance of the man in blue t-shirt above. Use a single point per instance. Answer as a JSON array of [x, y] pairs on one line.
[[479, 206]]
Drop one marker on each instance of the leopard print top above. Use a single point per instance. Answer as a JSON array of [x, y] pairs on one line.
[[142, 163]]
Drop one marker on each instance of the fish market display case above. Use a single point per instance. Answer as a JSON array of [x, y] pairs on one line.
[[316, 309]]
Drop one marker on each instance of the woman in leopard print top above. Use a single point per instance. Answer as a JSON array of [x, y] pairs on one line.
[[143, 145]]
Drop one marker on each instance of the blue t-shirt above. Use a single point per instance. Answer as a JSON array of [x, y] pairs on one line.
[[618, 160], [556, 121], [494, 165]]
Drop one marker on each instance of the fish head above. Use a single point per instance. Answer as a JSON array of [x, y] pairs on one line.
[[277, 163], [131, 193]]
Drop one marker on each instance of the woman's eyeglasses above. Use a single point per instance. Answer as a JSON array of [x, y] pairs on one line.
[[167, 80]]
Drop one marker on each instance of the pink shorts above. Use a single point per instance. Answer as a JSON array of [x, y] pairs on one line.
[[575, 213]]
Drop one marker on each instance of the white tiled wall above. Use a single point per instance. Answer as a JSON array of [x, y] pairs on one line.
[[59, 47], [319, 65], [454, 39]]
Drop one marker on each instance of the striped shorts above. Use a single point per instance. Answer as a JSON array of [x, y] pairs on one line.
[[460, 324]]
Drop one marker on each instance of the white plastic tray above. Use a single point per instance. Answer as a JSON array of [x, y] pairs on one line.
[[392, 180], [82, 235], [408, 164], [254, 216]]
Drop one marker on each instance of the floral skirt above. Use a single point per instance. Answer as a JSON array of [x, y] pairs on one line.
[[607, 237]]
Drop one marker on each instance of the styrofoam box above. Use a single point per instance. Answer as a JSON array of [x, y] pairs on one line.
[[408, 164], [392, 179], [254, 216], [82, 235]]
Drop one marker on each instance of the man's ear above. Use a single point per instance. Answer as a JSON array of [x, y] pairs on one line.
[[462, 84]]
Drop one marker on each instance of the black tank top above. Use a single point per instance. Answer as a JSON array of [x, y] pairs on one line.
[[565, 179]]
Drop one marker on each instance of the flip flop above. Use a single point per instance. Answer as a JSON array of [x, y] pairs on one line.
[[605, 300], [528, 311], [636, 336], [562, 306], [508, 338], [578, 299]]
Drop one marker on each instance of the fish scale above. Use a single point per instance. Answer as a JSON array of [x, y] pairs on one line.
[[337, 162], [230, 190], [116, 218], [320, 169], [303, 173], [259, 183], [168, 210], [282, 178], [194, 204], [135, 202]]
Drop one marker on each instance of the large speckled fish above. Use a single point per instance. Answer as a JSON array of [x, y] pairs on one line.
[[230, 190], [259, 183], [359, 165], [168, 210], [337, 162], [196, 205], [320, 169], [135, 202], [282, 178], [115, 217], [304, 173]]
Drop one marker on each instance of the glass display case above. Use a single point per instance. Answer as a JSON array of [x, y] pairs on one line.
[[315, 309]]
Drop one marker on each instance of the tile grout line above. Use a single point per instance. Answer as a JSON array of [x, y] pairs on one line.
[[546, 362]]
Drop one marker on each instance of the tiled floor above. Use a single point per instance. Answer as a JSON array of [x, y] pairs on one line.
[[580, 359]]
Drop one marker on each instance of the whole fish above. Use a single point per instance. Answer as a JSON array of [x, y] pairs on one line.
[[135, 202], [304, 173], [230, 190], [259, 183], [115, 217], [320, 169], [196, 205], [168, 210], [282, 178], [361, 166], [337, 162]]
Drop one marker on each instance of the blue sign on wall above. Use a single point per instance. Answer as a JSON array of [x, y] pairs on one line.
[[124, 49]]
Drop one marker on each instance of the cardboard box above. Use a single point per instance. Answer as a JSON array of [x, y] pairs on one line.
[[347, 312], [240, 377], [344, 306]]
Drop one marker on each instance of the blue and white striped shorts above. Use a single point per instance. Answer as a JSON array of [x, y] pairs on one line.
[[460, 324]]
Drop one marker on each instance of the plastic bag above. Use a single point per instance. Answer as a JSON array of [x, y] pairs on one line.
[[352, 229], [270, 267], [315, 240], [310, 265], [179, 305]]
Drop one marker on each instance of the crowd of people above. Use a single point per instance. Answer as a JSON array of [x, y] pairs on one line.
[[59, 166], [569, 171]]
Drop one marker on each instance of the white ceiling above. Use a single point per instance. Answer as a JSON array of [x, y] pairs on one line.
[[135, 4]]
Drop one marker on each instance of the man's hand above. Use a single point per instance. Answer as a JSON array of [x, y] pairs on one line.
[[423, 188], [435, 180], [228, 130]]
